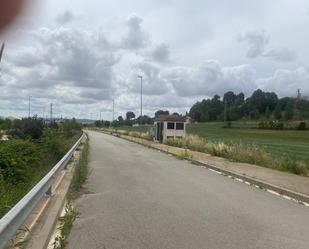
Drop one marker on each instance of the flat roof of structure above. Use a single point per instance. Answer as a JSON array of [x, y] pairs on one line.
[[170, 118]]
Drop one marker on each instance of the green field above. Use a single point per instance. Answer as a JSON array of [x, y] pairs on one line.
[[276, 142], [279, 143]]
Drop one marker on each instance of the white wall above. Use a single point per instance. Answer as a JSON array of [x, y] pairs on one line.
[[173, 133]]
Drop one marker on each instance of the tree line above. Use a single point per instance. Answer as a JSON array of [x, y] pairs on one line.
[[131, 119], [260, 105]]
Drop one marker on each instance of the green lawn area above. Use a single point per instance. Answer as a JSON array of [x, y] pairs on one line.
[[277, 142]]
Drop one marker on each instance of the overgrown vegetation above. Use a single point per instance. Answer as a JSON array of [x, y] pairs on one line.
[[32, 150], [79, 178], [81, 167], [66, 223], [241, 152]]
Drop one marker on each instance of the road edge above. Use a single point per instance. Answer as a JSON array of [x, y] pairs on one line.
[[299, 197]]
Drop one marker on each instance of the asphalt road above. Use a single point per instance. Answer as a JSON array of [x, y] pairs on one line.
[[140, 198]]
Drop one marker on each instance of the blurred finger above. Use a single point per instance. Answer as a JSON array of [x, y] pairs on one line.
[[9, 10]]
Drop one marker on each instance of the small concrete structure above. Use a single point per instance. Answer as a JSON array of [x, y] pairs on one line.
[[169, 126]]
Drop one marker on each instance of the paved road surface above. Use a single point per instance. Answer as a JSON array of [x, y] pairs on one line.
[[144, 199]]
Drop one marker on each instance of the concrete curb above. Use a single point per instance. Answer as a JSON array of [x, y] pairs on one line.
[[265, 185]]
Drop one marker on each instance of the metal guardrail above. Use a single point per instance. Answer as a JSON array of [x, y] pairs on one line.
[[16, 217]]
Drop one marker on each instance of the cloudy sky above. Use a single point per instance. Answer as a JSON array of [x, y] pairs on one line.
[[79, 55]]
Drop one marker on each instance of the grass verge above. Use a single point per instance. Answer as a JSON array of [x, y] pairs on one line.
[[79, 178], [81, 167], [240, 152], [66, 223]]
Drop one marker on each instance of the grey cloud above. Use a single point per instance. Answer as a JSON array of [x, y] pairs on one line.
[[74, 57], [281, 55], [136, 38], [257, 41], [153, 81], [211, 78], [161, 53], [65, 17], [96, 94], [28, 57]]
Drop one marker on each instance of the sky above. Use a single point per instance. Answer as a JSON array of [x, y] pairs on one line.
[[80, 55]]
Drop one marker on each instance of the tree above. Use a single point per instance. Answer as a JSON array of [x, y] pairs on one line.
[[120, 119], [240, 99], [229, 98], [130, 115], [289, 110], [267, 112], [161, 112], [278, 112], [28, 128]]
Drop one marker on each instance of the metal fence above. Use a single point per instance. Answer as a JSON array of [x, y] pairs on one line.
[[16, 217]]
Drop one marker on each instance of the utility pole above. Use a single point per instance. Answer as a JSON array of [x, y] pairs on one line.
[[29, 107], [298, 94], [113, 110], [225, 113], [141, 77], [51, 112]]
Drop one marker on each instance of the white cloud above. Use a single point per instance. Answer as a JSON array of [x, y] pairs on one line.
[[286, 82], [257, 41], [98, 55], [281, 55], [211, 78]]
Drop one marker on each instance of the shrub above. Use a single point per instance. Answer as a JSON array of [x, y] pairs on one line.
[[16, 159], [302, 126], [28, 128]]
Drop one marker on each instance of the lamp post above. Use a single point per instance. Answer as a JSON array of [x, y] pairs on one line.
[[29, 107], [113, 110], [141, 77]]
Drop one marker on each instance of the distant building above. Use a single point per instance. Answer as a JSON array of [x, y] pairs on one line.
[[169, 126]]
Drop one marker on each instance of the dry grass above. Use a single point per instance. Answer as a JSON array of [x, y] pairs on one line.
[[239, 152]]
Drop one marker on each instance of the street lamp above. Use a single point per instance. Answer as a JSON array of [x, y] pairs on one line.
[[29, 107], [141, 77]]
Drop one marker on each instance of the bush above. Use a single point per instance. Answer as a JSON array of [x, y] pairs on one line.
[[16, 159], [27, 128], [302, 126], [272, 125]]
